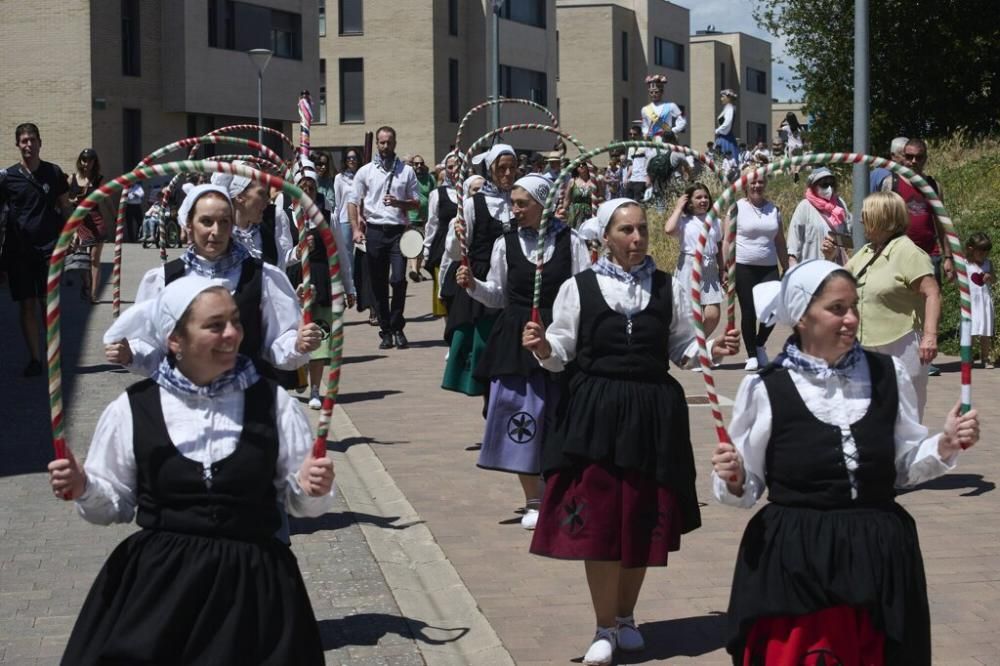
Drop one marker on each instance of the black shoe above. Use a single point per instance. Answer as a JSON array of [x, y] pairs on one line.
[[33, 369], [401, 341], [386, 341], [415, 276], [373, 319]]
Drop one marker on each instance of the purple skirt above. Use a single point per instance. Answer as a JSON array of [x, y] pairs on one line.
[[515, 422]]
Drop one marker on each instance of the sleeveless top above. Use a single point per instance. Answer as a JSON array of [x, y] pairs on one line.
[[616, 346], [269, 249], [236, 500], [248, 293], [520, 286], [484, 234], [805, 459], [447, 210]]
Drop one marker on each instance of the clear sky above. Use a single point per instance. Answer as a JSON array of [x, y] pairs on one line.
[[737, 16]]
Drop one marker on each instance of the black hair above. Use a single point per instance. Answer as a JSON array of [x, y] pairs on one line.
[[689, 192], [385, 128], [793, 122], [979, 241], [26, 128]]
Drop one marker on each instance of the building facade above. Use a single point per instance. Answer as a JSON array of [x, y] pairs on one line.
[[737, 61], [128, 77], [419, 65], [606, 49]]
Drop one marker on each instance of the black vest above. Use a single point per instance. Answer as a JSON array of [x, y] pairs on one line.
[[520, 286], [805, 459], [485, 231], [238, 501], [446, 212], [613, 345], [269, 249], [248, 300]]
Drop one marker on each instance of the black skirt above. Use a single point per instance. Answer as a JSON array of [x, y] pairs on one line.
[[165, 598], [795, 561], [631, 425], [504, 353]]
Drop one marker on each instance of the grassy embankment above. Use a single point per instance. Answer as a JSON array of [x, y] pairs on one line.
[[969, 174]]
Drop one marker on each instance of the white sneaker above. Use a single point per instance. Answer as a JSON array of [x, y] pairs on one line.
[[629, 637], [697, 368], [529, 519], [602, 649], [751, 365], [315, 402]]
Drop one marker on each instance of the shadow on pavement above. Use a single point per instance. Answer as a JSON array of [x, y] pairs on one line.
[[362, 359], [336, 521], [348, 398], [341, 446], [369, 628], [975, 482], [683, 637]]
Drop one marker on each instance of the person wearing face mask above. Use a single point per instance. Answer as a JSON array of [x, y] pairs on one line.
[[521, 393], [273, 333], [831, 565], [418, 216], [487, 215], [618, 463], [821, 222]]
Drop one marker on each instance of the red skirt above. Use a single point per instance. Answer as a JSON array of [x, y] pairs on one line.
[[832, 636], [603, 512]]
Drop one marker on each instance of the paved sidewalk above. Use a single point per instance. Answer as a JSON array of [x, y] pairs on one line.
[[541, 609], [49, 556]]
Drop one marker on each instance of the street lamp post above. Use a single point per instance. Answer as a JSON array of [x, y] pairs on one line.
[[260, 58]]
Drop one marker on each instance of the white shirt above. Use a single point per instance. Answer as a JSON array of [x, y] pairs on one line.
[[756, 229], [370, 188], [637, 164], [725, 120], [624, 298], [674, 117], [343, 184], [839, 401], [203, 429], [493, 291], [344, 258], [689, 229], [433, 217], [280, 318], [499, 209]]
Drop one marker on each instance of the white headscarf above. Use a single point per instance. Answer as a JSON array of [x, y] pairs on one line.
[[536, 185], [786, 302], [196, 193], [306, 169], [468, 183], [233, 183], [493, 154], [608, 208], [154, 320], [591, 229]]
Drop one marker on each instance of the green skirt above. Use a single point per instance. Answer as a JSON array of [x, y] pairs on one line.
[[468, 342]]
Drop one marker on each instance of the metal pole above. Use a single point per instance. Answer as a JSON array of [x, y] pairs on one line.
[[861, 114], [260, 110], [495, 78]]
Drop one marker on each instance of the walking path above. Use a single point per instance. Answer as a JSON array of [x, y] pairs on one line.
[[425, 560]]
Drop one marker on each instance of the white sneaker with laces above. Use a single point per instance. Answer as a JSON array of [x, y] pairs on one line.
[[602, 649], [529, 519], [629, 637], [315, 402], [751, 365]]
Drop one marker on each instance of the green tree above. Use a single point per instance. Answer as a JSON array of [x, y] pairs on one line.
[[934, 66]]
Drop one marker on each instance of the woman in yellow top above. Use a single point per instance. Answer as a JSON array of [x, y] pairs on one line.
[[899, 301]]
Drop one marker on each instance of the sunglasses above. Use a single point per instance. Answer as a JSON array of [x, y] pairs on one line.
[[351, 157], [416, 164], [917, 157]]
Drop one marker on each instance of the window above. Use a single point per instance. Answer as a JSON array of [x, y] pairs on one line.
[[722, 76], [131, 137], [241, 26], [350, 17], [624, 56], [756, 132], [531, 12], [626, 121], [131, 57], [453, 101], [453, 17], [668, 54], [286, 29], [321, 118], [756, 81], [352, 90], [322, 18], [524, 83]]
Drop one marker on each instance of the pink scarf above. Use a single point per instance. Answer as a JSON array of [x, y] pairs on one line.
[[833, 213]]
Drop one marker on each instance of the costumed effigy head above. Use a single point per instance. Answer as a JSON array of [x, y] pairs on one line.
[[655, 83], [728, 95]]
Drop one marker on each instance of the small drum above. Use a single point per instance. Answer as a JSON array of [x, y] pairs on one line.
[[411, 243]]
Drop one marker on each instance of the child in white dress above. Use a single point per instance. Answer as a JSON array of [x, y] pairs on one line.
[[981, 278]]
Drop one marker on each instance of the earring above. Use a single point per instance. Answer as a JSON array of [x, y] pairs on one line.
[[179, 356]]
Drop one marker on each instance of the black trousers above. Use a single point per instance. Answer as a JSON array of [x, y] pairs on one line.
[[747, 277], [133, 222], [382, 244], [635, 190]]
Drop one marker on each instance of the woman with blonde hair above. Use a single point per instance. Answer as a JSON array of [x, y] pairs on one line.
[[899, 300]]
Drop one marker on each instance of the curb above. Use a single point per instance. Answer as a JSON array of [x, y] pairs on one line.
[[446, 623]]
